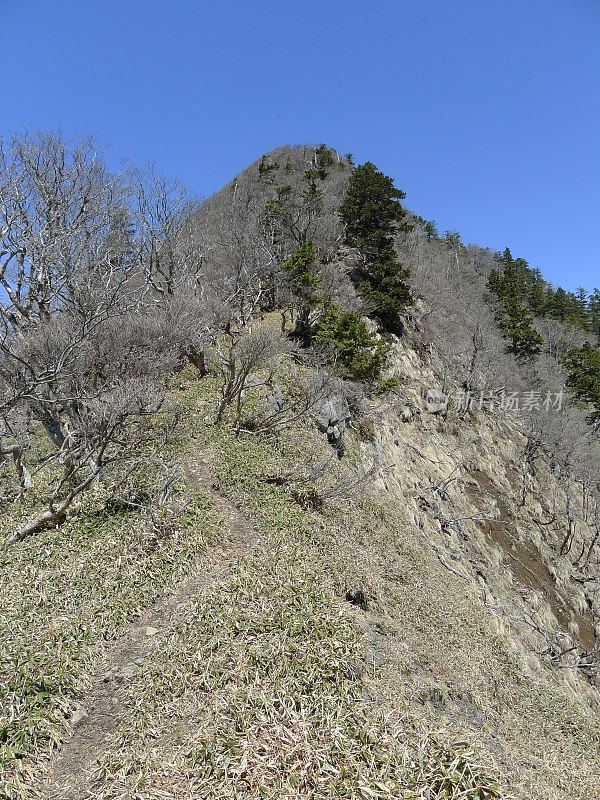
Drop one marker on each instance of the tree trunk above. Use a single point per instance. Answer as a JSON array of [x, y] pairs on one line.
[[55, 515], [51, 426], [48, 519], [198, 360], [25, 479]]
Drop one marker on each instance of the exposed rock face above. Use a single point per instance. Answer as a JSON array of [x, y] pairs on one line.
[[490, 518], [274, 402], [491, 629], [332, 416]]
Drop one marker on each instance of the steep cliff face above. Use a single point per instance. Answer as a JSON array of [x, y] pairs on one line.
[[493, 632], [493, 505]]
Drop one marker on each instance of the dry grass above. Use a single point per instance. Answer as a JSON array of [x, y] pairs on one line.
[[270, 684], [64, 594], [258, 693]]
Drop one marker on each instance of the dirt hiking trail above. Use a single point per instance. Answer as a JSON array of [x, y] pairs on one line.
[[95, 722]]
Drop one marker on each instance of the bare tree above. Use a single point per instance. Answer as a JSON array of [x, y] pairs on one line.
[[57, 204], [170, 248], [84, 342], [92, 387], [246, 360]]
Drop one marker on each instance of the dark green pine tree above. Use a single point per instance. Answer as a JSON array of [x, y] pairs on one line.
[[582, 296], [359, 354], [267, 169], [371, 210], [537, 293], [430, 228], [593, 313], [581, 313], [324, 159], [372, 213], [516, 325], [558, 305], [305, 285], [567, 307], [583, 364], [527, 282], [510, 290], [384, 291]]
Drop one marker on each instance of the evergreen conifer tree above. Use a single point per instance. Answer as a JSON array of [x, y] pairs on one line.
[[372, 213], [583, 364], [513, 315], [300, 269]]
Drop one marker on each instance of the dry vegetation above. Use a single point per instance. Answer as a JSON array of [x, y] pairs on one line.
[[387, 602], [257, 690]]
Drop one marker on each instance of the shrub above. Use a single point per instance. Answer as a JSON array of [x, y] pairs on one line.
[[359, 354]]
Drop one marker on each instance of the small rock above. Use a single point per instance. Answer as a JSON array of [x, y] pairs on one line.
[[478, 719], [150, 631], [406, 414], [333, 432], [129, 670], [78, 715], [332, 415], [274, 402]]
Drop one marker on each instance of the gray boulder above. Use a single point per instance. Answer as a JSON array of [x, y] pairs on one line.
[[332, 415], [274, 401], [406, 414]]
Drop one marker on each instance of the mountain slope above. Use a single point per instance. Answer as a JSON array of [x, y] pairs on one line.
[[268, 677], [349, 590]]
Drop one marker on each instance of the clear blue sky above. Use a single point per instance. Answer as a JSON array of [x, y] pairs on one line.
[[487, 112]]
